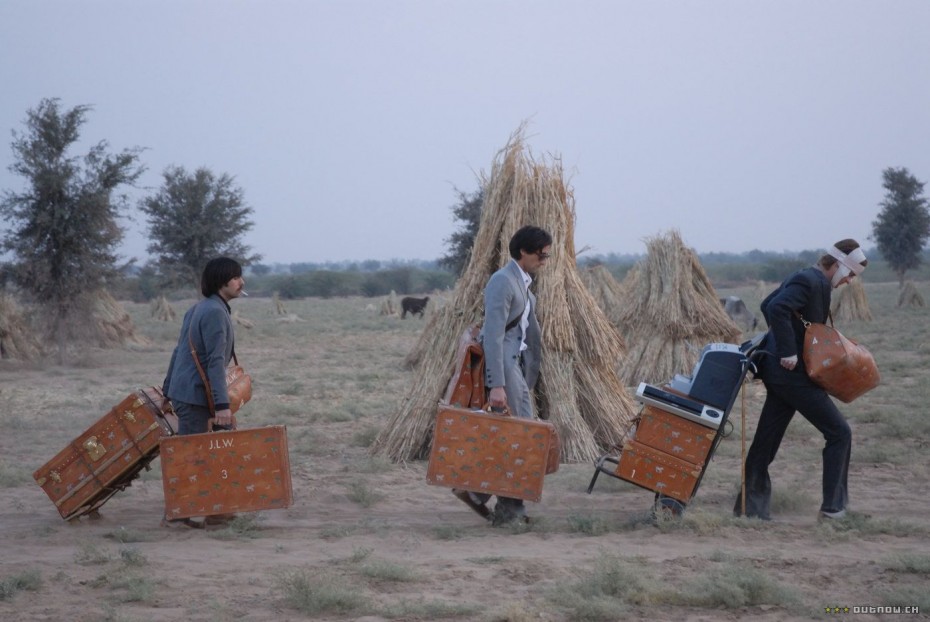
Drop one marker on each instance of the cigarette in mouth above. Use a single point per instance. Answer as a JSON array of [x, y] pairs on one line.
[[244, 293]]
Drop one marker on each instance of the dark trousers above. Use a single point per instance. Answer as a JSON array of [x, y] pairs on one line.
[[192, 418], [781, 402]]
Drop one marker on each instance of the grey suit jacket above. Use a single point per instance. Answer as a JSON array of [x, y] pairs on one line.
[[210, 327], [504, 300]]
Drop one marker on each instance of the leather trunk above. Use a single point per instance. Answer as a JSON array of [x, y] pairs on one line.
[[108, 455], [490, 453], [226, 472], [656, 470], [674, 435]]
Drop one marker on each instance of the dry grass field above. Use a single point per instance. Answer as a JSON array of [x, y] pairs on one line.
[[370, 540]]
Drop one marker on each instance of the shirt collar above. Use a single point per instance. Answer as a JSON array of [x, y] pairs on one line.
[[527, 279]]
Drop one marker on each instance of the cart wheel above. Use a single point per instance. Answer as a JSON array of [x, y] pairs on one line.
[[667, 508]]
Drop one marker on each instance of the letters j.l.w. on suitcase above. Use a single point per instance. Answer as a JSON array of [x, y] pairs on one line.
[[226, 472], [108, 455]]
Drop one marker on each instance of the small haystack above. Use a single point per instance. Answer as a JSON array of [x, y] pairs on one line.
[[579, 390], [17, 340], [390, 305], [112, 323], [279, 307], [162, 310], [671, 312], [909, 296], [850, 303], [241, 321], [606, 290]]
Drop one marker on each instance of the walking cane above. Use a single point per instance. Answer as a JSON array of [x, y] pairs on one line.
[[742, 453]]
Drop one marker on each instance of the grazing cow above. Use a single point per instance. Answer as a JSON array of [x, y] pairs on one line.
[[736, 309], [413, 306]]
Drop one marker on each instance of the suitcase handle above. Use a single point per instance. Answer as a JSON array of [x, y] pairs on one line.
[[212, 421]]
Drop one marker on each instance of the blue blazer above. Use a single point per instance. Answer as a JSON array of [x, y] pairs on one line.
[[504, 300], [210, 327], [808, 292]]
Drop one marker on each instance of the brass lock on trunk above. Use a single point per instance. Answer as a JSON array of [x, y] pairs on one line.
[[94, 449]]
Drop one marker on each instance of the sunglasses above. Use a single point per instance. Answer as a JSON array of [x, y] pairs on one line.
[[543, 256]]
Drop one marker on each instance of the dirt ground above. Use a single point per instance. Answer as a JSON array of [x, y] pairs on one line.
[[410, 551]]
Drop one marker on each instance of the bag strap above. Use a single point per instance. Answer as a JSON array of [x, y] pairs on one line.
[[515, 321], [203, 375], [807, 323]]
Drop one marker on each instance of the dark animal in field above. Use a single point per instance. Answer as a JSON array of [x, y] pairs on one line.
[[413, 306], [736, 309]]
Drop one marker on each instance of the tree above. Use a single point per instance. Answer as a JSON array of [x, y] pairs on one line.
[[903, 225], [194, 218], [460, 243], [64, 227]]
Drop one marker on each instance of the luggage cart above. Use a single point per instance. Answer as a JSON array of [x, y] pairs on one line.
[[680, 427]]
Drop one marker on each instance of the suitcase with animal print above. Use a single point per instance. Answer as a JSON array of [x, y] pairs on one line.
[[108, 455], [226, 472], [674, 435], [491, 453], [656, 470]]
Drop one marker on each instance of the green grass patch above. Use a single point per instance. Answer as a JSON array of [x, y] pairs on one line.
[[28, 580], [314, 594], [384, 570]]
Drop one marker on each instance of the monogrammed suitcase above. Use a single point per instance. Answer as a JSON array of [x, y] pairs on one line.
[[483, 452], [226, 472], [108, 455]]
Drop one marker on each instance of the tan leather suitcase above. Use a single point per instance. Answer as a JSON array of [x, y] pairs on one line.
[[490, 453], [674, 435], [658, 471], [108, 455], [226, 472]]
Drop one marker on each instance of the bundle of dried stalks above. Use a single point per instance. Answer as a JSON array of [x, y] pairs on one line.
[[241, 321], [112, 323], [390, 306], [671, 311], [579, 390], [161, 310], [850, 303], [909, 296], [278, 305], [606, 290], [17, 340]]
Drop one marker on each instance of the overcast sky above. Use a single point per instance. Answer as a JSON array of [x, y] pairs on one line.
[[744, 124]]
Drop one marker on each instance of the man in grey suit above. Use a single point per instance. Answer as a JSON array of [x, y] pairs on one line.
[[208, 329], [512, 345]]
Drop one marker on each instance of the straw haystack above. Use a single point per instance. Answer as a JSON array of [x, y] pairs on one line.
[[909, 296], [390, 306], [162, 310], [850, 303], [579, 390], [672, 311], [17, 340], [279, 307], [113, 325], [606, 290]]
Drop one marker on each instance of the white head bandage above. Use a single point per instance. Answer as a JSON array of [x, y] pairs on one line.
[[846, 264]]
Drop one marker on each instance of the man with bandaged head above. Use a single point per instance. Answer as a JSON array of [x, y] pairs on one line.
[[805, 294]]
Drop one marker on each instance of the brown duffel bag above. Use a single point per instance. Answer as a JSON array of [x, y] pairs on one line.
[[840, 366]]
